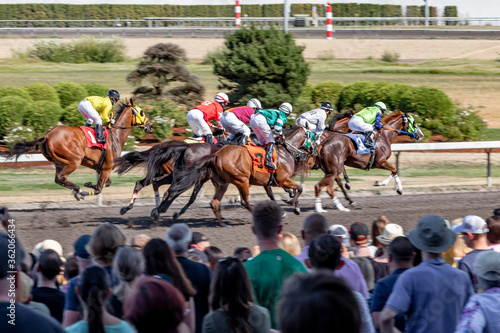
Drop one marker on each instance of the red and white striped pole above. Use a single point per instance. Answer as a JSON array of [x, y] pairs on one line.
[[237, 12], [329, 25]]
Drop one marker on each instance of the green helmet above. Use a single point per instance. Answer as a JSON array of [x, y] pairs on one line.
[[381, 106]]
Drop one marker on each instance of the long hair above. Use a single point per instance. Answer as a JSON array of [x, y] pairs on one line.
[[378, 228], [160, 259], [94, 284], [128, 264], [231, 289]]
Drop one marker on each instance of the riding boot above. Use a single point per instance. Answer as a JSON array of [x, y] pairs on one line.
[[369, 143], [243, 140], [269, 156], [88, 123], [209, 139], [99, 134]]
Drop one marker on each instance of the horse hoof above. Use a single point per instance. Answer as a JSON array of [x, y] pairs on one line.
[[88, 184], [123, 210], [353, 203], [376, 183], [284, 214], [155, 214], [347, 186], [288, 201], [176, 216], [296, 211], [224, 225], [345, 210], [400, 191]]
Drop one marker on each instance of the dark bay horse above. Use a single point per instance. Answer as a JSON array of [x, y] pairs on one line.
[[66, 148], [233, 165], [338, 151]]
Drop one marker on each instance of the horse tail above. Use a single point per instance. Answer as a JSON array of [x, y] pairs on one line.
[[161, 156], [194, 175], [25, 147], [339, 116], [131, 160]]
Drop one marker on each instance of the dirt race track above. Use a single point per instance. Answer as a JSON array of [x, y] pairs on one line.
[[65, 224]]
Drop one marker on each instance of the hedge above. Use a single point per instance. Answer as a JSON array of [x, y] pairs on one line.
[[451, 11], [69, 92], [326, 91], [71, 116], [42, 115], [15, 91], [12, 110], [42, 92], [94, 89]]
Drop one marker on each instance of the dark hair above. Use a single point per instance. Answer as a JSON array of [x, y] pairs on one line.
[[70, 268], [49, 264], [378, 228], [232, 290], [160, 259], [496, 212], [317, 302], [401, 249], [243, 253], [324, 252], [152, 304], [213, 254], [493, 223], [94, 285], [266, 219]]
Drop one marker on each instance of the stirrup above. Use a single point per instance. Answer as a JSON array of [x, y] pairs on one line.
[[270, 165]]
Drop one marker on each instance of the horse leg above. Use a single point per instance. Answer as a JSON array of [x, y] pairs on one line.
[[244, 190], [157, 182], [394, 174], [336, 201], [269, 192], [346, 178], [289, 183], [192, 199], [103, 178], [61, 178], [220, 190], [346, 196], [139, 185], [317, 188]]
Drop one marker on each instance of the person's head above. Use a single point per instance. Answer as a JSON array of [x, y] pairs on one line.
[[486, 268], [243, 253], [313, 226], [493, 235], [267, 220], [49, 244], [128, 265], [381, 106], [213, 254], [81, 255], [104, 242], [327, 106], [317, 302], [154, 303], [114, 96], [179, 237], [390, 232], [432, 235], [93, 290], [400, 253], [359, 234], [199, 241], [377, 229], [49, 265], [222, 99], [341, 233], [324, 252], [70, 268], [474, 231], [496, 212], [254, 103], [138, 242], [290, 243], [366, 268], [286, 108]]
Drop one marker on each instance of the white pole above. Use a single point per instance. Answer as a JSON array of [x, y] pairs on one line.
[[426, 13], [285, 12]]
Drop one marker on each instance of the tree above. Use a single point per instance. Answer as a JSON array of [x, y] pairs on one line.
[[266, 64], [162, 65]]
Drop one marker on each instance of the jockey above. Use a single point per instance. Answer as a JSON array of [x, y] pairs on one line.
[[262, 121], [315, 119], [366, 120], [200, 116], [96, 109], [235, 120]]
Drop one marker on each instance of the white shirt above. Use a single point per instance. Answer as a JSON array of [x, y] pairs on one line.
[[316, 117]]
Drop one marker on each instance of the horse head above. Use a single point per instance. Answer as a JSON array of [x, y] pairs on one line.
[[403, 123], [139, 118]]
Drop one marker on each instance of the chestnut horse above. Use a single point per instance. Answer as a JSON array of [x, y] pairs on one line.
[[338, 151], [66, 148]]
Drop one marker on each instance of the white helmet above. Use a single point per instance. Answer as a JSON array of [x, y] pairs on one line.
[[381, 106], [286, 108], [221, 98], [254, 103]]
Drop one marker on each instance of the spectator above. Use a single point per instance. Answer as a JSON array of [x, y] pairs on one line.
[[324, 253], [474, 230], [400, 259], [231, 299], [138, 242], [377, 230], [313, 226], [496, 212], [23, 319], [178, 238], [93, 291], [47, 292], [213, 254], [366, 267], [199, 243], [24, 295], [70, 271], [481, 312], [493, 234], [381, 261], [243, 253], [155, 305], [290, 243], [49, 244], [317, 302], [128, 264], [359, 240], [342, 235], [277, 263], [433, 294]]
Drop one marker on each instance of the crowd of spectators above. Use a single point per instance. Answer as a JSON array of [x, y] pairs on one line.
[[438, 277]]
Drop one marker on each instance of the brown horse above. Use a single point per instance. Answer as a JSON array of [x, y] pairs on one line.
[[66, 148], [338, 151], [233, 165]]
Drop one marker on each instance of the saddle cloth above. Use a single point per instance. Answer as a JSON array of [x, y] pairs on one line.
[[258, 155], [197, 140], [91, 138], [359, 142]]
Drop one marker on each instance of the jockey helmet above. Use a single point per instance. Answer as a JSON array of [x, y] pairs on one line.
[[254, 103], [221, 98], [381, 106], [286, 108], [327, 106], [114, 96]]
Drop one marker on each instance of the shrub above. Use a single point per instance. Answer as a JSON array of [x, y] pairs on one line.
[[352, 94], [42, 115], [71, 116], [469, 124], [94, 89], [389, 56], [42, 92], [306, 93], [14, 91], [326, 91], [129, 144], [16, 133], [69, 92], [165, 115], [12, 110]]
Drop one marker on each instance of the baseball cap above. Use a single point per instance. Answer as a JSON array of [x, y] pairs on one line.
[[198, 237], [79, 245], [359, 233], [473, 224], [49, 244], [341, 232], [487, 265]]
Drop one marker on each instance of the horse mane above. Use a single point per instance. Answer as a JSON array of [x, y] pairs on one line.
[[289, 131], [121, 107], [337, 117], [392, 116]]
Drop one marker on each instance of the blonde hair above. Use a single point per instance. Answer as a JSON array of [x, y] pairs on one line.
[[459, 248], [290, 243], [378, 228], [104, 242]]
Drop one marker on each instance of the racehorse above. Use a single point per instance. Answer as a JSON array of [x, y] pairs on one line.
[[233, 165], [338, 151], [66, 148]]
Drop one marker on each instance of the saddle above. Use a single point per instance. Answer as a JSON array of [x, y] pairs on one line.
[[258, 155], [90, 137], [359, 142]]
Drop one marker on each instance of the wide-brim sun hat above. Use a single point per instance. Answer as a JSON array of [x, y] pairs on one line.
[[432, 235], [390, 232]]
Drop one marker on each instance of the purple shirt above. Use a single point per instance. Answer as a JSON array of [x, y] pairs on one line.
[[243, 113]]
